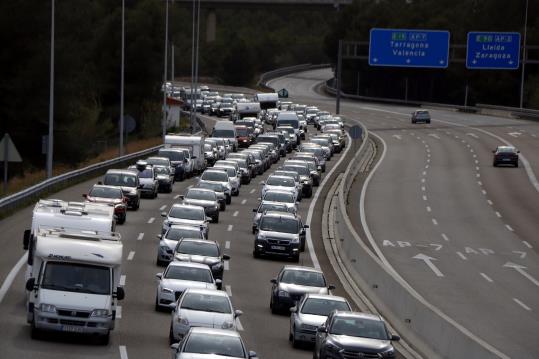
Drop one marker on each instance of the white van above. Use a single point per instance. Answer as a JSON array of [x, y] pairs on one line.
[[289, 118], [195, 144], [75, 280], [226, 129]]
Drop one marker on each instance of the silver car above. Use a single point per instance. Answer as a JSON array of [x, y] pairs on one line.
[[202, 251], [178, 277], [233, 176], [202, 342], [149, 185], [287, 198], [282, 183], [310, 313], [205, 198], [188, 215], [162, 161], [164, 179], [169, 240], [218, 176], [202, 308]]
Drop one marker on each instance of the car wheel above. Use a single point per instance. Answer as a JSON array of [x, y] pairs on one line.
[[257, 255], [222, 206], [494, 164], [216, 219], [122, 221], [295, 343], [228, 199], [157, 307], [104, 339], [295, 258], [516, 164], [136, 207], [290, 336], [171, 339], [302, 246], [273, 307], [35, 333]]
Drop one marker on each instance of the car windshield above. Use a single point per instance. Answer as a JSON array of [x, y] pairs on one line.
[[126, 180], [280, 181], [206, 303], [319, 306], [359, 327], [208, 147], [201, 195], [206, 249], [506, 149], [76, 277], [302, 277], [222, 345], [311, 111], [242, 132], [223, 133], [292, 174], [161, 170], [274, 207], [279, 224], [157, 161], [147, 173], [229, 170], [176, 234], [216, 176], [289, 130], [320, 141], [172, 155], [217, 187], [105, 192], [189, 273], [269, 139], [304, 171], [291, 122], [279, 197], [190, 213], [316, 151]]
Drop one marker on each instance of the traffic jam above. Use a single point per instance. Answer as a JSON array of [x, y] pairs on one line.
[[75, 253]]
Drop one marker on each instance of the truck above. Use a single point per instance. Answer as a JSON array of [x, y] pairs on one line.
[[75, 282], [195, 144]]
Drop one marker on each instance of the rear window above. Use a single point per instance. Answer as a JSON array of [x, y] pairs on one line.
[[172, 155], [223, 133], [104, 192], [216, 176]]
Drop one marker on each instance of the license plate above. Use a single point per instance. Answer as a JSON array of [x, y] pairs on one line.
[[278, 248], [71, 329], [506, 159]]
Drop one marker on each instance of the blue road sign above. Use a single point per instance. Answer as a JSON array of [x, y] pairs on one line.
[[409, 48], [493, 50], [355, 132]]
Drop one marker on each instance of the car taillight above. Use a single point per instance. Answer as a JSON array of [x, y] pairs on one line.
[[124, 200]]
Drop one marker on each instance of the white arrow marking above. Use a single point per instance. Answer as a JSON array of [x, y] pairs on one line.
[[472, 135], [521, 254], [398, 137], [437, 247], [428, 261], [514, 134], [519, 268], [434, 135]]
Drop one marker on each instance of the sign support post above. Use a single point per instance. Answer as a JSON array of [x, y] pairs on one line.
[[339, 70]]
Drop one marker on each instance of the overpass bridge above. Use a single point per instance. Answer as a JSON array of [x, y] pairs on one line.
[[211, 5]]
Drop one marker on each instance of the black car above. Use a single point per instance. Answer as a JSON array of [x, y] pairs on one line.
[[353, 335], [505, 155], [202, 251]]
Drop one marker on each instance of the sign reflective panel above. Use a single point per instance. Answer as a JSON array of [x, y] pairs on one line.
[[409, 48], [493, 50]]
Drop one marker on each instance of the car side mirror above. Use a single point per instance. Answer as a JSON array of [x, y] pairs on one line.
[[322, 329], [252, 354], [493, 151], [120, 293], [219, 283], [159, 236], [518, 151], [163, 214], [84, 195], [140, 186], [395, 338], [99, 182], [305, 226], [226, 257], [159, 275], [175, 346], [30, 283], [255, 210], [262, 183], [274, 281], [331, 287], [172, 306], [26, 239], [293, 309], [237, 313]]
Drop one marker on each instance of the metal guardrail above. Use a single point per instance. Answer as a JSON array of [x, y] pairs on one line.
[[265, 77], [15, 200], [514, 111]]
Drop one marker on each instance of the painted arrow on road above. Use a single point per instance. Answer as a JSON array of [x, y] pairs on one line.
[[434, 135], [472, 135], [520, 268], [514, 134], [428, 261], [520, 253], [398, 137]]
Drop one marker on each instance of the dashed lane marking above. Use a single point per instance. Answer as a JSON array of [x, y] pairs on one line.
[[228, 290], [527, 244], [434, 221], [235, 214], [151, 220], [118, 312], [498, 214], [445, 237], [238, 325], [462, 256], [162, 208], [509, 228], [229, 228], [244, 201], [487, 278], [429, 209], [130, 256], [140, 236], [227, 265], [252, 191], [424, 198], [490, 202], [122, 280], [522, 304], [227, 245], [177, 196], [123, 352]]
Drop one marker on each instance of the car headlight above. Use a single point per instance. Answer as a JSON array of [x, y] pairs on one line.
[[164, 248], [295, 240], [227, 325], [333, 348], [308, 327], [182, 321], [261, 237], [167, 290], [283, 293], [389, 353], [47, 308], [133, 192], [100, 313]]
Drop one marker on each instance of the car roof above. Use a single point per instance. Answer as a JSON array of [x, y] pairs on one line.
[[326, 296], [218, 293], [116, 188], [214, 331], [280, 214], [182, 205], [343, 313], [188, 264], [198, 189], [302, 268], [184, 226], [124, 172], [279, 176]]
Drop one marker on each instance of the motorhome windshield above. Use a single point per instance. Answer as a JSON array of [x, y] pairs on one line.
[[172, 155], [223, 133], [76, 277]]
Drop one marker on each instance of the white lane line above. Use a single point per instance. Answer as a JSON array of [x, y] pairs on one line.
[[462, 256], [478, 175], [244, 201], [423, 188], [130, 256], [424, 198], [252, 191], [445, 237], [140, 236], [477, 168], [429, 209], [118, 312], [122, 280], [490, 202], [235, 214], [525, 243], [423, 180], [484, 192], [426, 166], [428, 154], [428, 160], [480, 183], [11, 276], [177, 196], [474, 156], [227, 265], [498, 214], [471, 150], [228, 290], [509, 228], [227, 245], [424, 173], [151, 220], [239, 327], [434, 221], [123, 352], [229, 228], [487, 278], [162, 208], [476, 161], [522, 304]]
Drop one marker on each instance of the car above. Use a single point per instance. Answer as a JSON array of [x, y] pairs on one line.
[[178, 277], [420, 116], [292, 283], [326, 143], [185, 214], [210, 153], [164, 180], [169, 240], [128, 182], [291, 135], [249, 157], [162, 161], [221, 146], [218, 176], [202, 342], [226, 107], [273, 138], [205, 198], [287, 198], [202, 308], [233, 175], [245, 136], [260, 162], [265, 207], [245, 170], [111, 195], [310, 313], [355, 334], [226, 130], [147, 178], [317, 151], [313, 164], [177, 160], [280, 234], [202, 251], [218, 188], [281, 183], [302, 168], [505, 155], [292, 174]]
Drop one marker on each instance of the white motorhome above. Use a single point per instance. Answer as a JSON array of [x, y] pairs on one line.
[[247, 109], [267, 100], [74, 286], [195, 144]]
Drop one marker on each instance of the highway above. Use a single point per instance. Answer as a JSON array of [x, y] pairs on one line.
[[460, 231]]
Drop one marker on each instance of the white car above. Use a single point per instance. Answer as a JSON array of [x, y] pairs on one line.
[[178, 277], [280, 183], [233, 176], [202, 308], [287, 198], [187, 215]]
